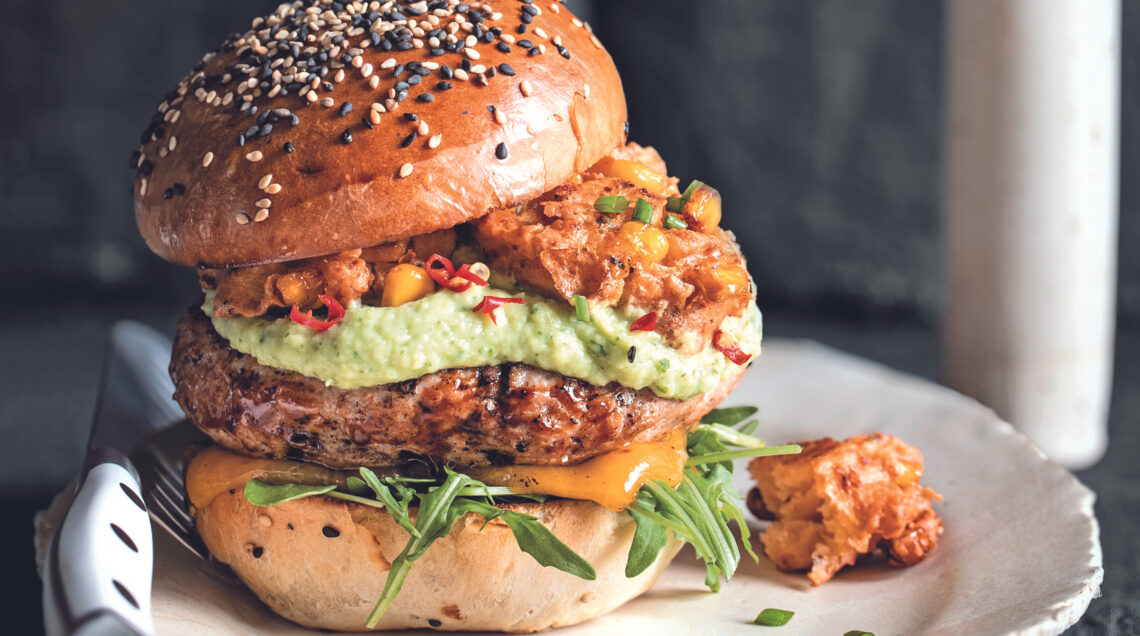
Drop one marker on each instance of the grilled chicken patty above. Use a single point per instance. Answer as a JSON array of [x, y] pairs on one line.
[[498, 415]]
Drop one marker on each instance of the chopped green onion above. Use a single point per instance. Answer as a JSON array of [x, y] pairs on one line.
[[611, 204], [643, 211], [774, 617], [674, 222], [581, 308], [673, 204], [857, 632], [689, 191]]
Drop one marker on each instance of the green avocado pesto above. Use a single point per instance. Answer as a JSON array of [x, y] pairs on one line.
[[378, 345]]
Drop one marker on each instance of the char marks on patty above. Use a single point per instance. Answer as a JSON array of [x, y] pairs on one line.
[[505, 414]]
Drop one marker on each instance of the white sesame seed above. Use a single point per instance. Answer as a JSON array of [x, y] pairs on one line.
[[172, 144], [374, 81], [471, 53], [311, 96], [388, 63], [430, 65], [478, 69], [339, 77], [374, 117], [576, 22], [596, 41], [500, 117], [366, 70], [406, 170], [540, 33], [422, 128], [435, 140], [471, 40], [263, 203], [357, 61], [275, 90], [254, 156], [554, 7], [242, 218], [526, 88], [142, 187], [163, 151], [265, 181], [207, 160], [557, 40], [327, 102], [508, 38], [261, 215], [273, 188], [460, 74], [586, 90]]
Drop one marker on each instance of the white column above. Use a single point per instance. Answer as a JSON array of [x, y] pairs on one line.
[[1031, 218]]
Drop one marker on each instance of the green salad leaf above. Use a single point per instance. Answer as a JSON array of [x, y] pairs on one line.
[[698, 510]]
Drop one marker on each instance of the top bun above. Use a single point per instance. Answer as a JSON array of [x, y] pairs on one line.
[[329, 127]]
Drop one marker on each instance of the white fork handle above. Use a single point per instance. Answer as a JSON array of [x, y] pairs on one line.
[[100, 560]]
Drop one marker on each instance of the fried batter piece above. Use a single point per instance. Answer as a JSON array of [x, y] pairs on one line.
[[251, 291], [560, 244], [837, 500]]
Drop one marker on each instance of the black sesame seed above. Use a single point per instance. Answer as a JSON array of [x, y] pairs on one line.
[[426, 97], [258, 551], [330, 532], [408, 140], [411, 117], [526, 44], [288, 147], [501, 151], [401, 86], [345, 108], [631, 355], [424, 72], [445, 72], [521, 29], [398, 71], [434, 622], [401, 96], [415, 79], [625, 129], [146, 167], [346, 136], [366, 122], [442, 85], [241, 140], [526, 18], [167, 194], [533, 52], [436, 52], [527, 8], [179, 189], [506, 69], [265, 129], [564, 52]]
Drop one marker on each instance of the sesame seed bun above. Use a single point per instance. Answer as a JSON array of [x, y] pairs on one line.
[[315, 171], [322, 563]]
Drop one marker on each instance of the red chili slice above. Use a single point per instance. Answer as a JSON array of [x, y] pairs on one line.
[[336, 313], [731, 350], [648, 322], [490, 303], [450, 278]]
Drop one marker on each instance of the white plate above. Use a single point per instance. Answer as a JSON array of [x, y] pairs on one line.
[[1020, 553]]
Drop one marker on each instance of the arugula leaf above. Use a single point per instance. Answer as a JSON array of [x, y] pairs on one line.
[[435, 518], [648, 540], [260, 493], [729, 416], [398, 509], [356, 485], [535, 539], [727, 456]]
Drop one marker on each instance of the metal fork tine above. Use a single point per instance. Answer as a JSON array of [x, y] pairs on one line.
[[166, 498]]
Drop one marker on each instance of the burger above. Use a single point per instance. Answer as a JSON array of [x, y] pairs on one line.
[[460, 340]]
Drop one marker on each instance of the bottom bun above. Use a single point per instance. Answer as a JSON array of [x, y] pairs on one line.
[[322, 563]]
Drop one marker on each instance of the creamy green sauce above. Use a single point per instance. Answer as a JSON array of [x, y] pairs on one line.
[[378, 345]]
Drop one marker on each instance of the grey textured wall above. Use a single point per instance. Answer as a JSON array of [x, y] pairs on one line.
[[819, 121]]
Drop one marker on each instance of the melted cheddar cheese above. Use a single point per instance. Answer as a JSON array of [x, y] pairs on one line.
[[611, 480]]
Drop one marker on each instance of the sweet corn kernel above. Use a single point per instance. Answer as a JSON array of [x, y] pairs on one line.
[[702, 211], [405, 283], [647, 242], [636, 173], [732, 279]]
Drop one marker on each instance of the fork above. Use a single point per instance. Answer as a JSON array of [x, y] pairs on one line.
[[164, 490]]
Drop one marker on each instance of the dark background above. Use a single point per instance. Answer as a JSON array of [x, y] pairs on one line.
[[819, 121]]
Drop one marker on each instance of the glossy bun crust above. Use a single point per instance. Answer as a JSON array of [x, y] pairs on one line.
[[475, 579], [202, 194]]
